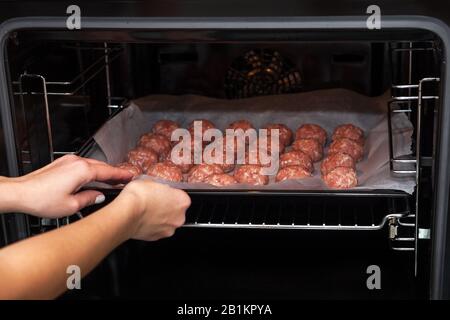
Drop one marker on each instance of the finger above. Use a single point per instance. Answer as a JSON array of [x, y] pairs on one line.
[[94, 161], [109, 174], [87, 198]]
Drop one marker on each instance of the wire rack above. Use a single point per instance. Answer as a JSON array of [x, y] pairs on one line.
[[295, 212]]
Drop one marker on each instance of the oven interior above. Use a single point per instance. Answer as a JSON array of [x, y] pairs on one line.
[[65, 85]]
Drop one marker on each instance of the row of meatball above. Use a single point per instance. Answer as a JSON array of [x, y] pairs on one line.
[[338, 169], [295, 164]]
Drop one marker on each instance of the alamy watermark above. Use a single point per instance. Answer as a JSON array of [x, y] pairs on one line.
[[74, 278]]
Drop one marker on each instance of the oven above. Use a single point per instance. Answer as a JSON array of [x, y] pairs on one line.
[[59, 86]]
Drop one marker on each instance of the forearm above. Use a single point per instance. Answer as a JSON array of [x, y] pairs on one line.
[[9, 195], [36, 268]]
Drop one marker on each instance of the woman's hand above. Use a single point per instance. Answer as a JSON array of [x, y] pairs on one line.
[[155, 209], [53, 191]]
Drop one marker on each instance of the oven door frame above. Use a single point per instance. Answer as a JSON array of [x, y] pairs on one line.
[[440, 264]]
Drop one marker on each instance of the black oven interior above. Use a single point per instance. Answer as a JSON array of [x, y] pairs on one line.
[[64, 86]]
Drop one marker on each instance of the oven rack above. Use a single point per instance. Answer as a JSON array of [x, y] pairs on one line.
[[37, 86], [295, 212]]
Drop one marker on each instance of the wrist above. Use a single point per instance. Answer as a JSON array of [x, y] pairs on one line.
[[126, 206]]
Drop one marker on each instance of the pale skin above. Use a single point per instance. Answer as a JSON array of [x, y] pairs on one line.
[[35, 268]]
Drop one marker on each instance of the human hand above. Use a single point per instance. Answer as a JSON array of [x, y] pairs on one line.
[[53, 191], [156, 209]]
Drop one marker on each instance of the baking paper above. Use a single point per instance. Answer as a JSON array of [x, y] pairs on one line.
[[328, 108]]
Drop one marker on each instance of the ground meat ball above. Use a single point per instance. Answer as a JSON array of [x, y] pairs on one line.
[[156, 142], [220, 180], [226, 167], [206, 125], [201, 171], [240, 124], [133, 169], [292, 172], [341, 178], [254, 157], [285, 133], [350, 147], [267, 143], [165, 128], [165, 171], [349, 131], [184, 166], [142, 158], [336, 160], [296, 158], [250, 174], [311, 147], [311, 131]]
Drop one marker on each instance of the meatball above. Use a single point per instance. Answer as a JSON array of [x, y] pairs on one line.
[[133, 169], [285, 134], [226, 167], [311, 147], [165, 171], [165, 128], [156, 142], [206, 125], [267, 144], [253, 157], [251, 174], [336, 160], [240, 124], [292, 172], [349, 131], [311, 131], [177, 160], [220, 180], [200, 172], [142, 158], [350, 147], [341, 178], [296, 158]]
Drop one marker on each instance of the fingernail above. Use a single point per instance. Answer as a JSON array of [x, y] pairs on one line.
[[99, 199]]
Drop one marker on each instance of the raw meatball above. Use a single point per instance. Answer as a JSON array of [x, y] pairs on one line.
[[311, 147], [251, 174], [220, 180], [133, 169], [349, 131], [311, 131], [184, 166], [350, 147], [142, 158], [336, 160], [267, 144], [156, 142], [253, 157], [341, 178], [200, 172], [165, 128], [165, 171], [240, 124], [296, 158], [292, 172], [206, 125], [285, 133], [226, 167]]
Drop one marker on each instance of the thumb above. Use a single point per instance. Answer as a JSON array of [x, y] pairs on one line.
[[88, 198]]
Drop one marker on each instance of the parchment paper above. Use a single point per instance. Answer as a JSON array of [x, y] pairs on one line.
[[328, 108]]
